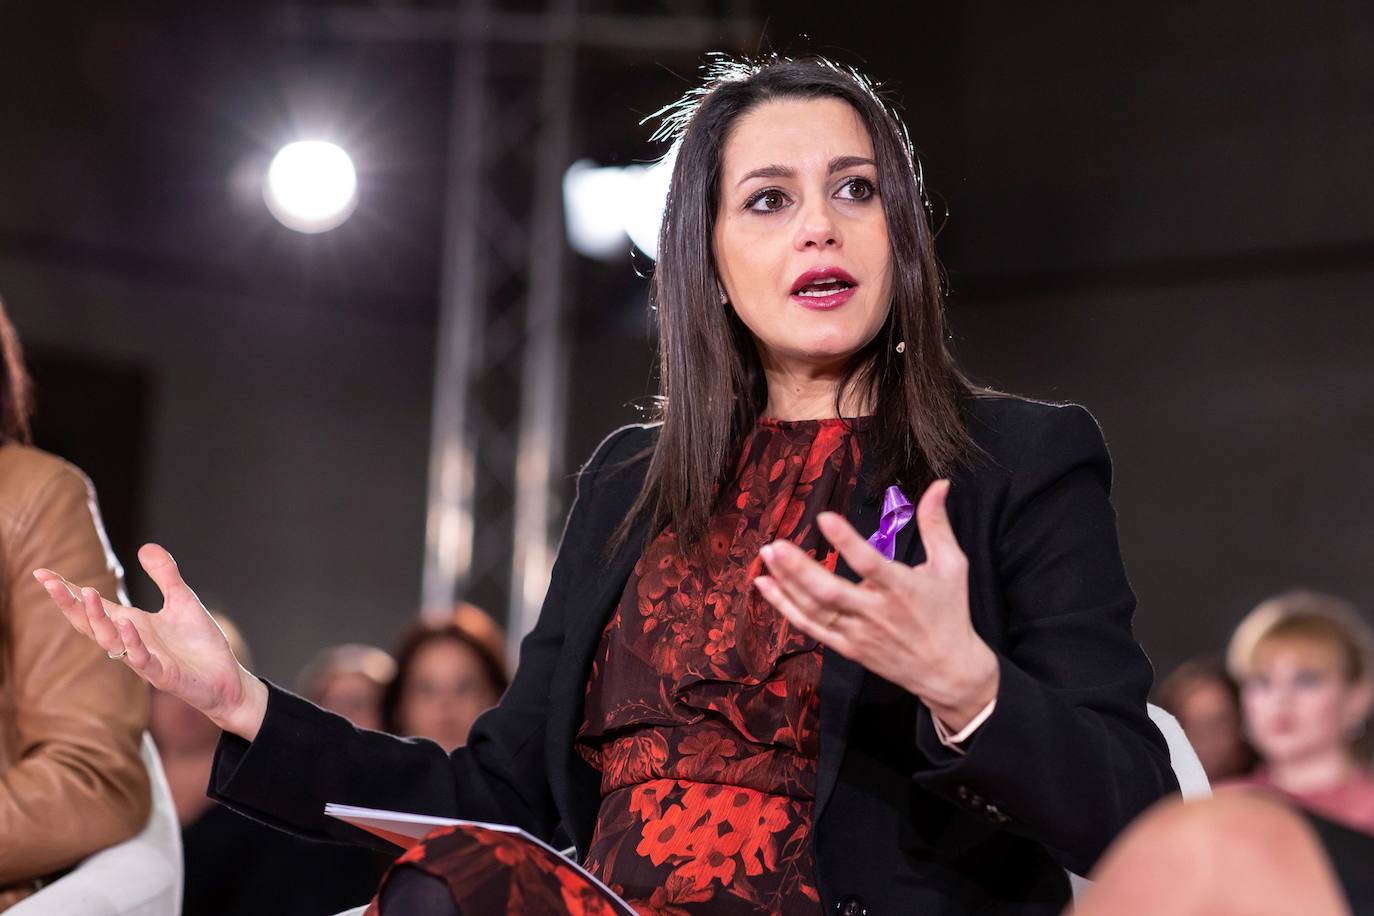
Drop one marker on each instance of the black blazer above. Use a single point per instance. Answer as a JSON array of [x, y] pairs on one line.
[[903, 824]]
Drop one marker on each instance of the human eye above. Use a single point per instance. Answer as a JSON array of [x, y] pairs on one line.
[[768, 200], [1309, 678], [857, 188]]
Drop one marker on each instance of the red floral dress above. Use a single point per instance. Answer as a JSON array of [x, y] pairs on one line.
[[702, 708]]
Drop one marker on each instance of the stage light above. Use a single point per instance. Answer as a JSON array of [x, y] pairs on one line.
[[604, 208], [311, 186], [593, 201]]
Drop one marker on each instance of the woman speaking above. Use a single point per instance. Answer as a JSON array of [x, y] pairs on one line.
[[838, 634]]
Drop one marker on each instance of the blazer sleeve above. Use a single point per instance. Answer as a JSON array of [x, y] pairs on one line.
[[304, 757], [1069, 756], [75, 781]]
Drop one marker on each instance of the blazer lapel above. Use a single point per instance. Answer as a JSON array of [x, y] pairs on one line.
[[590, 607], [596, 600], [842, 678]]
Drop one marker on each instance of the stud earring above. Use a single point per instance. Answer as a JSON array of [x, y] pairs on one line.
[[901, 346]]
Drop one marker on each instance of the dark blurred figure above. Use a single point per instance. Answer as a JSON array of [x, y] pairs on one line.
[[446, 676], [186, 741], [480, 625], [1206, 702], [349, 680], [1304, 661], [236, 866]]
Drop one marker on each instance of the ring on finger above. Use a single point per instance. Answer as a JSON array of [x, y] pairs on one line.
[[117, 655]]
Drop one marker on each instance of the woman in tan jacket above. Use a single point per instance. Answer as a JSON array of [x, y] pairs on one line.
[[71, 779]]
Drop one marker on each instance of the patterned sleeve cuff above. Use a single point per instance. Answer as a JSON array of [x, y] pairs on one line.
[[953, 742]]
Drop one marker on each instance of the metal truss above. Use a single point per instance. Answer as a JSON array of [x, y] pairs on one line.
[[501, 380]]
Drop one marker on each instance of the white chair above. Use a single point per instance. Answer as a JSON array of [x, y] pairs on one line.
[[1192, 778], [140, 877]]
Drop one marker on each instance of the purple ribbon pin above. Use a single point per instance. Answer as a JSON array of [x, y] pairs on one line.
[[897, 511]]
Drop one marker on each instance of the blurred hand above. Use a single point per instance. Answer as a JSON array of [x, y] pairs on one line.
[[180, 649], [908, 624]]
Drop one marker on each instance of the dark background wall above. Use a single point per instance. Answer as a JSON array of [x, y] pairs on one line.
[[1165, 212]]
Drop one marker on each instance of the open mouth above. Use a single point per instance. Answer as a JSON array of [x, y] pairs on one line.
[[823, 288], [820, 289]]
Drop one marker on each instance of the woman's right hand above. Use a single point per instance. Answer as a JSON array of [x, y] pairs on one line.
[[179, 650]]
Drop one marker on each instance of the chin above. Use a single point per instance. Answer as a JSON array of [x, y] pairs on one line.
[[1288, 748], [827, 348]]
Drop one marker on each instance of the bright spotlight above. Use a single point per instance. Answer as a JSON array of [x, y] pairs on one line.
[[593, 205], [606, 207], [311, 186]]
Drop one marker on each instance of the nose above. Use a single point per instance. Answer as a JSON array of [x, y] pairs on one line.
[[817, 228], [1284, 697]]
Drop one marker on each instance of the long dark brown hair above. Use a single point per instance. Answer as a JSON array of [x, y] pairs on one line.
[[15, 406], [711, 381]]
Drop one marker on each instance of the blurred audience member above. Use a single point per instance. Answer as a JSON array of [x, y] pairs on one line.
[[445, 678], [236, 866], [349, 680], [186, 740], [1204, 699], [480, 625], [71, 720], [1303, 660], [1236, 854]]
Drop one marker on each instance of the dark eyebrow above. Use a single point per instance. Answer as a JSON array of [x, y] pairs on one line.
[[768, 171], [838, 164]]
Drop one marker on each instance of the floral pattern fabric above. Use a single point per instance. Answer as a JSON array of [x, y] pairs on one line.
[[702, 708], [702, 714], [501, 874]]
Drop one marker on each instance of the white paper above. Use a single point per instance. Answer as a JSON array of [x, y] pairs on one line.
[[411, 825]]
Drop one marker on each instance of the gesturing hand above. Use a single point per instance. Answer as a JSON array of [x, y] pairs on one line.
[[908, 624], [180, 649]]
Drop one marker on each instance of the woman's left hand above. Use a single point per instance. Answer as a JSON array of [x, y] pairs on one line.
[[908, 624]]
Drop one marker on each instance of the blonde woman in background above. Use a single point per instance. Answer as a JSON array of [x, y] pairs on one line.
[[1304, 661], [1295, 836]]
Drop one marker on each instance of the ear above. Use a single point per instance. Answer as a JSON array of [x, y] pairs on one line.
[[1358, 703]]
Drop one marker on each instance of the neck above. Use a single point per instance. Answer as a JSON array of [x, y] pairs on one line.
[[808, 393], [1312, 773]]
